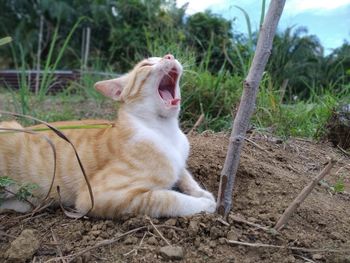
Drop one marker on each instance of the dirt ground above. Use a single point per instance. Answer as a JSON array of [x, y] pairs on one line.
[[269, 177]]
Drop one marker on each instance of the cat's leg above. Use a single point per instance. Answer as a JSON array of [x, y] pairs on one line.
[[189, 186], [155, 203]]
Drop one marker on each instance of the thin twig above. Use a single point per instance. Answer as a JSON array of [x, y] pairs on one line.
[[302, 196], [197, 124], [255, 144], [239, 219], [99, 244], [58, 247], [136, 248], [304, 258], [2, 233], [343, 151], [303, 249], [159, 233], [32, 213]]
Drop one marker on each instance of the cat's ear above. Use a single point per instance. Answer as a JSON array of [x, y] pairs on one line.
[[112, 88]]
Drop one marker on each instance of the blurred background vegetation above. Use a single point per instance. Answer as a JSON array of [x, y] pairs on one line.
[[300, 88]]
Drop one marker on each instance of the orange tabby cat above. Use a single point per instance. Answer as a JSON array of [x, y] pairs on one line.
[[132, 166]]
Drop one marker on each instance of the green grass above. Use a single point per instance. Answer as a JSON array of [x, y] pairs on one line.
[[214, 95]]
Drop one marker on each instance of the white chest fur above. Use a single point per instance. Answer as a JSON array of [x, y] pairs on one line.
[[168, 139]]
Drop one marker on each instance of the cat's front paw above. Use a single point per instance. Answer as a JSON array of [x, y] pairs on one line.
[[208, 205], [205, 194]]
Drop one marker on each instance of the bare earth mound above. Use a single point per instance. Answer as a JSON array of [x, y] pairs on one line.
[[269, 178]]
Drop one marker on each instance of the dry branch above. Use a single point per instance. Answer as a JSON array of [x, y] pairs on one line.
[[158, 232], [302, 249], [197, 124], [302, 196], [246, 107]]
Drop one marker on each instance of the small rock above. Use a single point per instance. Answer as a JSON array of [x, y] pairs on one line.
[[290, 259], [23, 247], [171, 222], [94, 228], [104, 235], [87, 257], [215, 232], [172, 252], [95, 233], [233, 235], [317, 256], [193, 227], [77, 235], [212, 244], [337, 236], [197, 242], [222, 241], [152, 241], [130, 240]]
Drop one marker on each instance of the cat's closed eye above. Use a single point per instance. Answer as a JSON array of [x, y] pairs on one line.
[[146, 64]]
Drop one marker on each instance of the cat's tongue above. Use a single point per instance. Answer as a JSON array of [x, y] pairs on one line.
[[166, 95]]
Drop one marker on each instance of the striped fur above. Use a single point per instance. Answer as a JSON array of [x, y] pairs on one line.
[[132, 166]]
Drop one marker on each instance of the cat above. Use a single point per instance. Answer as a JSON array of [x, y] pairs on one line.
[[132, 166]]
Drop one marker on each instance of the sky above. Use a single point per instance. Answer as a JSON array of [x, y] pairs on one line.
[[329, 20]]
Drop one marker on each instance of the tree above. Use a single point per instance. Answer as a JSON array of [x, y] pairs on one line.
[[207, 34], [296, 56]]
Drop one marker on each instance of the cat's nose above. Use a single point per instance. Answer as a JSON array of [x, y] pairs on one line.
[[169, 56]]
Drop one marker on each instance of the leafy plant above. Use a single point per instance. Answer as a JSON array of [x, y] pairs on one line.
[[23, 192], [5, 40]]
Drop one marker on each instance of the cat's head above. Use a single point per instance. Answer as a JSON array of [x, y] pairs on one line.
[[152, 86]]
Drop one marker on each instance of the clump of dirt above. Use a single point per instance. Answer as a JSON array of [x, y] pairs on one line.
[[269, 177], [338, 127]]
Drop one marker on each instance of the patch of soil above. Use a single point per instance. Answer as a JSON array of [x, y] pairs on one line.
[[268, 179]]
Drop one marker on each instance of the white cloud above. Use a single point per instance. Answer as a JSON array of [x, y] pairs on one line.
[[198, 5], [300, 6]]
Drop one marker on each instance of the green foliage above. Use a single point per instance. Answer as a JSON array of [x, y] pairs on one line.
[[339, 186], [6, 181], [23, 192], [216, 60], [298, 117], [5, 40]]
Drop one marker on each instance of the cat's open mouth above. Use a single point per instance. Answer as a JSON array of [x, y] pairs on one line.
[[167, 88]]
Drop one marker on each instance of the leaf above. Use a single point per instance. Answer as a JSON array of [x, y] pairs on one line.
[[5, 40], [6, 181], [26, 191], [339, 186]]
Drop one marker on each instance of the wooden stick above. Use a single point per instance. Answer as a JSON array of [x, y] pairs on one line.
[[246, 106], [243, 221], [255, 144], [196, 125], [302, 195], [303, 249]]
